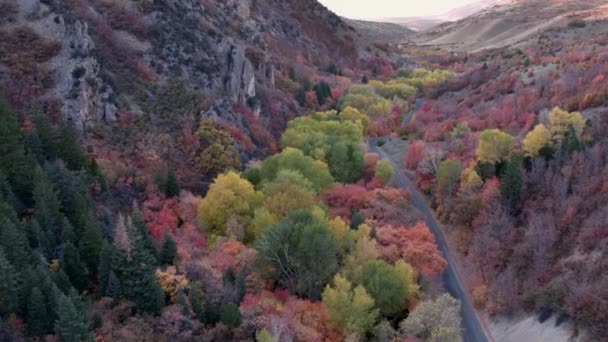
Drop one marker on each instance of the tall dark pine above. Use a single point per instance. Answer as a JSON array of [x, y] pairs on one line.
[[136, 274], [171, 186], [73, 267], [8, 286], [168, 251], [47, 205], [69, 148], [14, 162], [70, 325], [37, 315], [104, 269], [91, 243]]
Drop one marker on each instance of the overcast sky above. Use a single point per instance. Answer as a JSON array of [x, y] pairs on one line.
[[371, 9]]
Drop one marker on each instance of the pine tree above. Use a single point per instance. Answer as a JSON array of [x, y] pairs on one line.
[[6, 192], [135, 271], [230, 315], [182, 302], [8, 286], [73, 266], [196, 299], [15, 243], [69, 149], [91, 243], [171, 186], [168, 251], [47, 205], [511, 183], [241, 286], [61, 280], [104, 269], [142, 228], [114, 289], [37, 316], [70, 325], [16, 165]]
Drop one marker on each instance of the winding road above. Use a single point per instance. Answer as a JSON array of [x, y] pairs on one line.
[[472, 328]]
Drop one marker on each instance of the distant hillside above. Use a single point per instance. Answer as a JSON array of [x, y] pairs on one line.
[[420, 24], [379, 31], [513, 22]]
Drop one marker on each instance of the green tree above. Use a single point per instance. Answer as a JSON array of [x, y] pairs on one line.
[[435, 320], [37, 316], [105, 267], [384, 284], [384, 171], [134, 266], [350, 310], [73, 266], [302, 251], [229, 196], [346, 162], [168, 250], [8, 286], [494, 146], [48, 208], [70, 325], [114, 288], [448, 175], [316, 172], [69, 148], [230, 315], [14, 162], [196, 300], [511, 183], [91, 243], [171, 186]]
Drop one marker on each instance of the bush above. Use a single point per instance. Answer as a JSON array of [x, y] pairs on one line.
[[380, 142]]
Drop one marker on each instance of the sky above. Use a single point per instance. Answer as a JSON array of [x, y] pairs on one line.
[[373, 9]]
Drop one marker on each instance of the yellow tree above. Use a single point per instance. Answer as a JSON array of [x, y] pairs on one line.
[[562, 121], [535, 140], [494, 146], [350, 310], [229, 196]]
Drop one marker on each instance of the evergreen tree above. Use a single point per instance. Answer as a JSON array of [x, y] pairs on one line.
[[91, 243], [135, 271], [37, 316], [171, 186], [356, 219], [230, 315], [69, 149], [181, 301], [14, 241], [47, 205], [241, 286], [114, 289], [8, 286], [16, 165], [6, 192], [104, 269], [511, 183], [73, 266], [95, 175], [61, 280], [300, 96], [196, 299], [46, 135], [168, 251], [142, 228], [70, 325]]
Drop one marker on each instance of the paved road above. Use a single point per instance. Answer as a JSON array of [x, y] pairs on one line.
[[472, 330]]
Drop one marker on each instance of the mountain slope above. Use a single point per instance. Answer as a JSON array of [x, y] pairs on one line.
[[508, 23], [374, 31]]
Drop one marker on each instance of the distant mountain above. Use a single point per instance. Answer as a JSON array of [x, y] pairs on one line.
[[380, 32], [420, 24], [516, 22]]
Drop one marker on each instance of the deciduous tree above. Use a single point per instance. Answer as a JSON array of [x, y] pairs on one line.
[[494, 146]]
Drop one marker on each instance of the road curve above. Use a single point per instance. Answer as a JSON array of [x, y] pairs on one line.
[[472, 329]]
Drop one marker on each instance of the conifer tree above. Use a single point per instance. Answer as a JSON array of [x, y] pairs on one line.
[[8, 286], [171, 186], [37, 324], [91, 243], [70, 325], [6, 192], [47, 205], [73, 266], [114, 288], [142, 228], [511, 183], [69, 149], [196, 299], [168, 251], [16, 165], [104, 269]]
